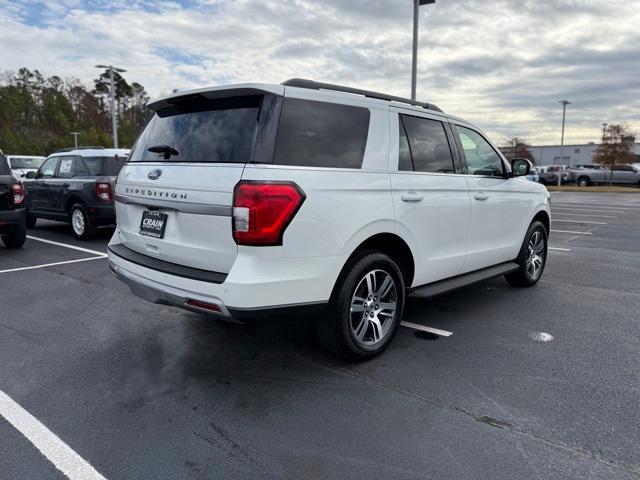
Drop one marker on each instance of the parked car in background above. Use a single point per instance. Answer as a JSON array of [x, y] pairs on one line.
[[13, 216], [22, 164], [75, 186], [549, 175], [622, 174], [533, 176], [254, 202]]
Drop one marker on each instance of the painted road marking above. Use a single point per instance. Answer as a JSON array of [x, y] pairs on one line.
[[436, 331], [33, 267], [72, 247], [588, 206], [586, 222], [569, 231], [558, 249], [553, 212], [55, 450]]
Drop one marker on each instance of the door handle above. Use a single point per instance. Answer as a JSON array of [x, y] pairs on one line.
[[411, 197], [481, 196]]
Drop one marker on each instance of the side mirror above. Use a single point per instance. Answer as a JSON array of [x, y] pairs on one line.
[[521, 167], [31, 175]]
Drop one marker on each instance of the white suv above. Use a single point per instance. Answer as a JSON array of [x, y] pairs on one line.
[[257, 202]]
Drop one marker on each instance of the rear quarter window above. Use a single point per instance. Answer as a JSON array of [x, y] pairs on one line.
[[320, 134]]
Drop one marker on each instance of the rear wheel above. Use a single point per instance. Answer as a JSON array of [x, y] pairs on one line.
[[81, 224], [583, 182], [16, 239], [532, 258], [365, 308]]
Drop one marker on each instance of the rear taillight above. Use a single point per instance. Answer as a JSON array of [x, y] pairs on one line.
[[263, 210], [17, 191], [103, 191]]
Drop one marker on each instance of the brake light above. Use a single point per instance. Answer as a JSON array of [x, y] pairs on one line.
[[263, 210], [103, 191], [17, 190]]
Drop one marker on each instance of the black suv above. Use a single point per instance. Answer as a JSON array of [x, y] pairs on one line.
[[75, 186], [12, 212]]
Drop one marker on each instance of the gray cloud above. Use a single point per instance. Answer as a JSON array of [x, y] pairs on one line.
[[503, 64]]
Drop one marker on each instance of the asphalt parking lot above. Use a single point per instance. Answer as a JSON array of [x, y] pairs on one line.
[[531, 383]]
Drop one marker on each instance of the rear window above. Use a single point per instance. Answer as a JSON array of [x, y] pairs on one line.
[[91, 166], [319, 134], [201, 130]]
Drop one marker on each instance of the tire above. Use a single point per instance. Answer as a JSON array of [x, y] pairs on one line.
[[15, 240], [82, 225], [31, 221], [364, 282], [583, 182], [534, 245]]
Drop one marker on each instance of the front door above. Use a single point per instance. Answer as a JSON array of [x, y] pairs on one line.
[[500, 206], [37, 189], [430, 197]]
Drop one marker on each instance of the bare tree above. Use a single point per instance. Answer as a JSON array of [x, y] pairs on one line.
[[616, 148], [517, 148]]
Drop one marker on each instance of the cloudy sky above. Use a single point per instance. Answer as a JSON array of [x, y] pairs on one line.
[[502, 64]]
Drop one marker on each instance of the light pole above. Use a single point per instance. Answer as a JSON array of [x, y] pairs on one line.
[[414, 65], [114, 112], [604, 131], [564, 104], [75, 138]]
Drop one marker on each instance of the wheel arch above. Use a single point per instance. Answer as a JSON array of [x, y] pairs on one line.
[[543, 217], [71, 201], [391, 245]]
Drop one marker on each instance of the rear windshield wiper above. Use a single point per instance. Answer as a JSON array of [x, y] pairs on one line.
[[166, 149]]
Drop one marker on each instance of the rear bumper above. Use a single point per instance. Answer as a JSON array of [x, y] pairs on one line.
[[103, 214], [260, 288], [12, 221]]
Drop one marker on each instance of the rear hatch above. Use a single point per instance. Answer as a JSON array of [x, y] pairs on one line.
[[174, 196]]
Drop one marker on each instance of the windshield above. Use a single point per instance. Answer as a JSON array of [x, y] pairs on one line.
[[198, 129], [26, 162]]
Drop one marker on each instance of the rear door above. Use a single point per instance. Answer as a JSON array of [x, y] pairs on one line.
[[624, 174], [431, 199], [174, 196]]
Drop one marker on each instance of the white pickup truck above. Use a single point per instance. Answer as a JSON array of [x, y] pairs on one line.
[[619, 174]]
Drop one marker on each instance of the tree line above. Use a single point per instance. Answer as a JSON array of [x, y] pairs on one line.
[[37, 113]]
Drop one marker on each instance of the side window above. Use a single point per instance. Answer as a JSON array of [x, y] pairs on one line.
[[482, 159], [320, 134], [48, 168], [66, 167], [93, 166], [428, 145]]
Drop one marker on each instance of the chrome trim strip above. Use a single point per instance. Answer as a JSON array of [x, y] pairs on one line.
[[184, 207]]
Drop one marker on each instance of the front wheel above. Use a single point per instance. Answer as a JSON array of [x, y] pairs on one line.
[[83, 227], [532, 258], [365, 308]]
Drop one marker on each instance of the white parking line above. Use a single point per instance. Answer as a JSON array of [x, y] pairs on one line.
[[33, 267], [436, 331], [569, 231], [558, 249], [66, 245], [586, 222], [55, 450], [554, 213]]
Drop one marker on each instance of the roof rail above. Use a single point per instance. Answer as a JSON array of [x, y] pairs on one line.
[[313, 85], [71, 149]]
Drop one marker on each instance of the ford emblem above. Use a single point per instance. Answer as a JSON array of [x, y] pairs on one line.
[[154, 174]]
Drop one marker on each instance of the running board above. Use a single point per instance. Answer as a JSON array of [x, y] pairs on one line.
[[443, 286]]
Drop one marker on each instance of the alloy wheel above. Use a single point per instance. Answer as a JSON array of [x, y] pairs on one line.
[[77, 221], [373, 307], [537, 252]]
